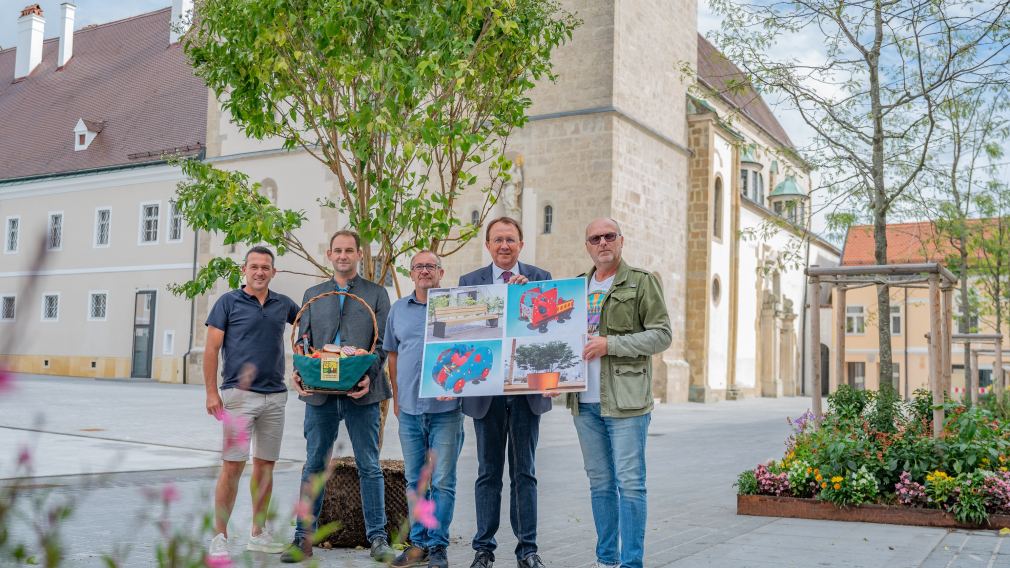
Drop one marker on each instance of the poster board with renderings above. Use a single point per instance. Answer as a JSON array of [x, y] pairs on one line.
[[505, 339]]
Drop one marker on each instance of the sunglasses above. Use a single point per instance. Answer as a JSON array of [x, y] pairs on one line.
[[609, 237]]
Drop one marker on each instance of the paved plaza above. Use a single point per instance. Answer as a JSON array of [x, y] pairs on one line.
[[103, 442]]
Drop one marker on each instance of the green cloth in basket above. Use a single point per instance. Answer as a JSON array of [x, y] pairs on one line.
[[351, 371]]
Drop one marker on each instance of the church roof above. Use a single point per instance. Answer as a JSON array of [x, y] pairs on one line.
[[787, 188], [716, 72], [124, 75]]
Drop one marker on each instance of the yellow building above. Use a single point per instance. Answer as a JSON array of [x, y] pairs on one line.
[[907, 243]]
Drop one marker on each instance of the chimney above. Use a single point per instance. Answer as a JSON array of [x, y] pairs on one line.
[[67, 34], [31, 24], [182, 13]]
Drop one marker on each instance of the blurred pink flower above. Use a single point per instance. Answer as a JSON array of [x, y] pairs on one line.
[[303, 510], [218, 562], [236, 434], [6, 380], [169, 493], [25, 457], [424, 513]]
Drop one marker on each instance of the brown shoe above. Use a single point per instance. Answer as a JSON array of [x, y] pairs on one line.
[[299, 550], [411, 556]]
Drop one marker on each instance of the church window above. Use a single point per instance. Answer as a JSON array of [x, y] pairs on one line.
[[548, 219], [759, 188], [743, 183], [717, 209], [474, 217]]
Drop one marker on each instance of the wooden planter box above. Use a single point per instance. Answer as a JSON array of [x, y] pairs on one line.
[[795, 508]]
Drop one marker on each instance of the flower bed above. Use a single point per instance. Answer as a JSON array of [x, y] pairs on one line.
[[873, 458]]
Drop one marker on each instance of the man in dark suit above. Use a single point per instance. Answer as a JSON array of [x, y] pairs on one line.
[[501, 421], [344, 321]]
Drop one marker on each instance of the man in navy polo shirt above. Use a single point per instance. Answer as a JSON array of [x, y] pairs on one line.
[[249, 325]]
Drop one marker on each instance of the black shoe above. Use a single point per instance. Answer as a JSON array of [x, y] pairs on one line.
[[381, 551], [411, 556], [437, 557], [299, 549], [483, 559], [531, 561]]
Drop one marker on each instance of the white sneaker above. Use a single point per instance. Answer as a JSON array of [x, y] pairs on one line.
[[265, 542], [218, 548], [599, 564]]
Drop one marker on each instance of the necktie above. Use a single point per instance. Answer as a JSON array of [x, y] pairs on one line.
[[506, 276]]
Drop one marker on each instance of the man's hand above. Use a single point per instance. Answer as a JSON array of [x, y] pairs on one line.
[[553, 394], [396, 408], [595, 348], [296, 380], [214, 405], [518, 279], [361, 389], [445, 398]]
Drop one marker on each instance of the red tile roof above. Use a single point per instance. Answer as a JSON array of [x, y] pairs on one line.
[[907, 243], [123, 74], [716, 71]]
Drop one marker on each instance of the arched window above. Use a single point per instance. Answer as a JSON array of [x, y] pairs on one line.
[[759, 188], [548, 219], [717, 209], [474, 217]]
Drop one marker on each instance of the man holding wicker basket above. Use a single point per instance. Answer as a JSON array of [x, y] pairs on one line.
[[345, 312]]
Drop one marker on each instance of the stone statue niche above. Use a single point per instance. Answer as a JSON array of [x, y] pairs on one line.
[[512, 190]]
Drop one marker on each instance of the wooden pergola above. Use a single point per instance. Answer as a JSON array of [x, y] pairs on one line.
[[931, 276], [996, 339]]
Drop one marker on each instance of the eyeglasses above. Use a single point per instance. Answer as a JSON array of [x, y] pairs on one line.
[[609, 237], [507, 240], [423, 267]]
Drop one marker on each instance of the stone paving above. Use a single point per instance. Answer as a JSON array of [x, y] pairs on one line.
[[101, 443]]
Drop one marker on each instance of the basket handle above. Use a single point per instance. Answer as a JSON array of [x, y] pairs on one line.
[[298, 316]]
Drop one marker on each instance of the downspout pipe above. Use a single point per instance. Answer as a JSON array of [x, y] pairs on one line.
[[192, 313]]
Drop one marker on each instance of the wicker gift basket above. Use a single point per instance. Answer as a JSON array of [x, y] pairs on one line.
[[332, 373]]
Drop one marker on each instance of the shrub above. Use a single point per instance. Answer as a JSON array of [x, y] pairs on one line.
[[852, 489], [746, 483], [770, 483], [969, 499], [910, 493], [996, 488]]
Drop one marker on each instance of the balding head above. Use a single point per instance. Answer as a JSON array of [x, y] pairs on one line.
[[604, 243]]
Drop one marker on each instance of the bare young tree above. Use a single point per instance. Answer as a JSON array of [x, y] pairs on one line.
[[871, 96]]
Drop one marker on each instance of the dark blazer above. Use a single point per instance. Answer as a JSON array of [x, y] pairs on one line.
[[320, 321], [476, 406]]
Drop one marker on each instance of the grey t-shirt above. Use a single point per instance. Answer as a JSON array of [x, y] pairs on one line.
[[405, 337], [596, 292]]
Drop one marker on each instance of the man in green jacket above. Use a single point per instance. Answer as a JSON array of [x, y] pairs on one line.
[[628, 324]]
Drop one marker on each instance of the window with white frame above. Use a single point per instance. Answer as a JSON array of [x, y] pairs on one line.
[[97, 306], [174, 222], [168, 345], [548, 219], [149, 215], [717, 209], [103, 227], [896, 320], [12, 234], [54, 232], [855, 320], [744, 174], [759, 188], [7, 308], [50, 307], [856, 375]]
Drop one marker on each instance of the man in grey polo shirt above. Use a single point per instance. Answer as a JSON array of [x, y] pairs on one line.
[[426, 425], [249, 325]]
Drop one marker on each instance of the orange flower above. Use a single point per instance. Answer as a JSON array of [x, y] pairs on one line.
[[824, 485], [837, 486]]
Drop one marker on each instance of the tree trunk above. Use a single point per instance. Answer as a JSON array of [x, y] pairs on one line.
[[962, 324], [880, 205]]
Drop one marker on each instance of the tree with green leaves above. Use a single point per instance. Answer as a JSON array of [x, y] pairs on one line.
[[957, 189], [871, 97], [408, 104], [546, 357]]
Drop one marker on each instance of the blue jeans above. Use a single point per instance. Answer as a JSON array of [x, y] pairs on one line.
[[321, 426], [508, 425], [613, 450], [442, 435]]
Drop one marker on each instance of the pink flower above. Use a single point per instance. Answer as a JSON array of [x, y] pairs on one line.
[[25, 457], [303, 510], [218, 562], [169, 494], [236, 434], [6, 380], [424, 513]]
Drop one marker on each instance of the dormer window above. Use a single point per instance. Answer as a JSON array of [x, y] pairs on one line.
[[85, 132]]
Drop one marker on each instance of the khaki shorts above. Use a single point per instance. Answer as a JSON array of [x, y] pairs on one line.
[[264, 414]]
